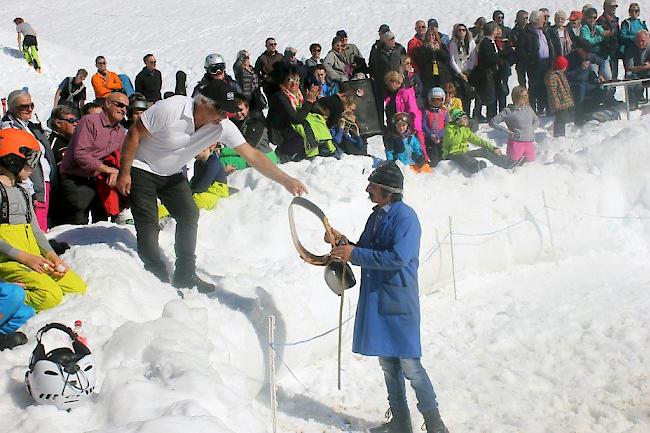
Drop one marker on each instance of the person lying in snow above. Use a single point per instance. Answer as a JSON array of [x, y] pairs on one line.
[[25, 255], [455, 146]]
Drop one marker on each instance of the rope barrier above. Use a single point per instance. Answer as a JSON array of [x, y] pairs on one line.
[[476, 235], [316, 337]]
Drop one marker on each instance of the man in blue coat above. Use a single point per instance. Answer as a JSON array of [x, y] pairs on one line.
[[387, 323]]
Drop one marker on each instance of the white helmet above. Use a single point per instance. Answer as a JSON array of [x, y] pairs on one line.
[[214, 59], [62, 377]]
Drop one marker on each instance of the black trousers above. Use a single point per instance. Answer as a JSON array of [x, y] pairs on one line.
[[559, 124], [537, 87], [468, 161], [80, 199], [174, 192]]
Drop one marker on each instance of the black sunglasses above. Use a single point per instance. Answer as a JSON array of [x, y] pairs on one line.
[[25, 107], [118, 104], [70, 120]]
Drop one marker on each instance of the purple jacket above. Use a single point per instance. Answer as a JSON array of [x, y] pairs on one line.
[[93, 140]]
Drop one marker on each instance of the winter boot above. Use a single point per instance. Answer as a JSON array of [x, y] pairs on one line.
[[182, 281], [400, 422], [434, 423], [11, 340]]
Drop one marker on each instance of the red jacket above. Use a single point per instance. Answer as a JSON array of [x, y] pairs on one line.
[[112, 201]]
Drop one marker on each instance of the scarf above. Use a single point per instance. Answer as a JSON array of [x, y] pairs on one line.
[[295, 98]]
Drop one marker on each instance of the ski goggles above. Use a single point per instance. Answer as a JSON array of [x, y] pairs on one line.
[[216, 68], [32, 157]]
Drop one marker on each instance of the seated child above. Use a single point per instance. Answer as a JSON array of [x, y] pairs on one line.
[[434, 121], [14, 313], [451, 101], [25, 255], [208, 184], [521, 122], [403, 144], [346, 133], [455, 145]]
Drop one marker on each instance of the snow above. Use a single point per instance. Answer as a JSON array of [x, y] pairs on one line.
[[544, 335]]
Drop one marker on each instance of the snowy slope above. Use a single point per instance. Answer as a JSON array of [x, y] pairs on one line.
[[536, 342]]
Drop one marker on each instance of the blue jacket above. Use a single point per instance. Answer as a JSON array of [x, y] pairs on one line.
[[388, 313], [13, 310], [629, 28], [406, 149]]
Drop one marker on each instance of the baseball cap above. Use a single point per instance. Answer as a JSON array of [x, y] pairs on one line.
[[575, 15], [221, 93], [383, 29], [432, 23], [341, 34]]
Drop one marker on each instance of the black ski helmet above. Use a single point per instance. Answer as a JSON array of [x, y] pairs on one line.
[[388, 176]]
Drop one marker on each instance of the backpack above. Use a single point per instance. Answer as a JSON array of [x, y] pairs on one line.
[[127, 85]]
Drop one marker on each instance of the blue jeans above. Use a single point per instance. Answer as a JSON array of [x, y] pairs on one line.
[[395, 370]]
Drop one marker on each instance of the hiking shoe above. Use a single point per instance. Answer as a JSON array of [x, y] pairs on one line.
[[11, 340], [185, 281], [433, 423], [400, 422]]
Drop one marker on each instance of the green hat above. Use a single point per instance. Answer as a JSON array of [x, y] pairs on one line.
[[456, 113]]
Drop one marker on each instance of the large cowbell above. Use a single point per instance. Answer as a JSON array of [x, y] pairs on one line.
[[339, 277]]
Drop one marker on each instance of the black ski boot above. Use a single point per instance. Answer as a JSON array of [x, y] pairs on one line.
[[400, 422], [434, 423], [11, 340]]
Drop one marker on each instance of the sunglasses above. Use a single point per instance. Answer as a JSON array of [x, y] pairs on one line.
[[293, 80], [25, 107], [219, 68], [70, 120], [32, 157], [118, 104], [273, 44], [422, 27], [101, 63]]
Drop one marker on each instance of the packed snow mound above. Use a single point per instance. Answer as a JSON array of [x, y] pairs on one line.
[[536, 341]]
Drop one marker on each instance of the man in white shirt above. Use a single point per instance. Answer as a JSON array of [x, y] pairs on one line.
[[157, 147]]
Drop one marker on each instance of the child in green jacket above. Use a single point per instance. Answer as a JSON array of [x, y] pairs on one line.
[[455, 145]]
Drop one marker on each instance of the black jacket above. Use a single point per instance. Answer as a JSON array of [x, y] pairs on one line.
[[383, 60], [253, 128], [149, 84], [281, 116], [528, 48]]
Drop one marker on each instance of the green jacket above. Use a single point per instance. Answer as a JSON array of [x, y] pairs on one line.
[[456, 139], [322, 136]]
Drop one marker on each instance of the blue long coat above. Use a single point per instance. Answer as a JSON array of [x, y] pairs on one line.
[[388, 313]]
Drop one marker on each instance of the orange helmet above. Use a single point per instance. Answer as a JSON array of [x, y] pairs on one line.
[[17, 148]]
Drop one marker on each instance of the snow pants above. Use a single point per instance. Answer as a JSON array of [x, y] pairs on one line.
[[30, 51], [42, 291], [204, 200], [13, 310]]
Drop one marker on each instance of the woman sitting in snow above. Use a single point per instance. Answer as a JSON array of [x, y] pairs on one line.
[[455, 145], [404, 145], [25, 255], [288, 107]]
